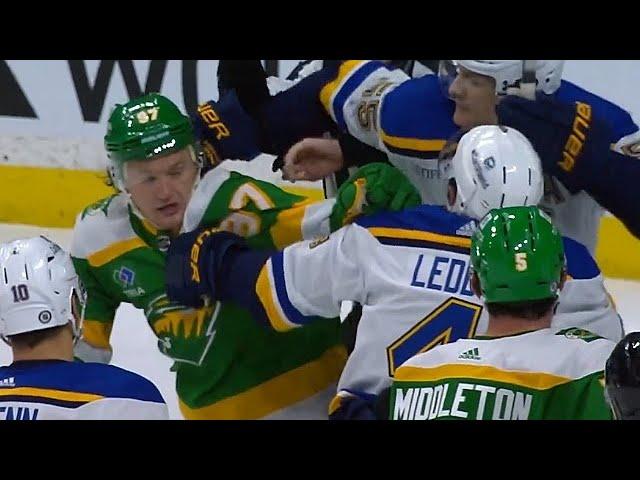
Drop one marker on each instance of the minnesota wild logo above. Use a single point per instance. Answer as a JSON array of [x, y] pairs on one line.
[[578, 334]]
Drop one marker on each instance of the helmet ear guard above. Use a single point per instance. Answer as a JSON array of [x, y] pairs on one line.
[[39, 288], [493, 166]]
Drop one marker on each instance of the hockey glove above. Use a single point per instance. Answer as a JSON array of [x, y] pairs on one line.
[[374, 187], [226, 131], [193, 262], [569, 139], [248, 79]]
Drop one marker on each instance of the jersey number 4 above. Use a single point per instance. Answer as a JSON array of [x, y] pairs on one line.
[[450, 321]]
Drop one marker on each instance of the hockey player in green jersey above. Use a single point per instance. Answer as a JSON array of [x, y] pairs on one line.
[[226, 365], [521, 369]]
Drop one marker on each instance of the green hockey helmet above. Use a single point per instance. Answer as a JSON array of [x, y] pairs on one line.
[[143, 128], [518, 255]]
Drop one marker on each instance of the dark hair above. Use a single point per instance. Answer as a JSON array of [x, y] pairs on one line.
[[33, 339], [530, 309]]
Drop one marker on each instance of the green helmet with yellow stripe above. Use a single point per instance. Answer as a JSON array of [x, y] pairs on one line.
[[518, 255], [144, 128]]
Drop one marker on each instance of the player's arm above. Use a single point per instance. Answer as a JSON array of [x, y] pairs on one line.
[[269, 215], [100, 310], [248, 120], [388, 110], [283, 290], [574, 145], [273, 217], [584, 301], [241, 124], [626, 134]]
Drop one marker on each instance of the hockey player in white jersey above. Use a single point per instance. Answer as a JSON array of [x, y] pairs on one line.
[[41, 314], [522, 368], [408, 270], [410, 120]]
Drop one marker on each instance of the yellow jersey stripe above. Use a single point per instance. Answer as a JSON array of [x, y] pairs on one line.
[[97, 333], [288, 227], [114, 250], [277, 393], [328, 91], [336, 401], [191, 321], [358, 202], [266, 292], [420, 235], [416, 144], [534, 380], [50, 393], [150, 227], [335, 404]]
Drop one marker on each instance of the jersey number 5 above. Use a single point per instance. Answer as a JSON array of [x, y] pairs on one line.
[[450, 321]]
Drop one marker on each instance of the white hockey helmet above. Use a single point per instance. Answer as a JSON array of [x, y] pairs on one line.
[[493, 167], [39, 288], [508, 73]]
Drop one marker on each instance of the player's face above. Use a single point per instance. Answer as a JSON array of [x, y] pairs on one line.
[[161, 188], [475, 99]]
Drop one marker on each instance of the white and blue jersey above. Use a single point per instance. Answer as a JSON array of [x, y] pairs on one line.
[[410, 272], [62, 390], [411, 120]]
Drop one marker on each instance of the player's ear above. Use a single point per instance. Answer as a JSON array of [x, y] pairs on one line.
[[475, 285]]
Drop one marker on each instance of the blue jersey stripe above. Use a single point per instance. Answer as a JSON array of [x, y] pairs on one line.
[[430, 218], [408, 242], [42, 400], [90, 378], [292, 313]]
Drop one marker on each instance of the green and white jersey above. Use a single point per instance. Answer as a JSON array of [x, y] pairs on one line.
[[227, 366], [541, 375]]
